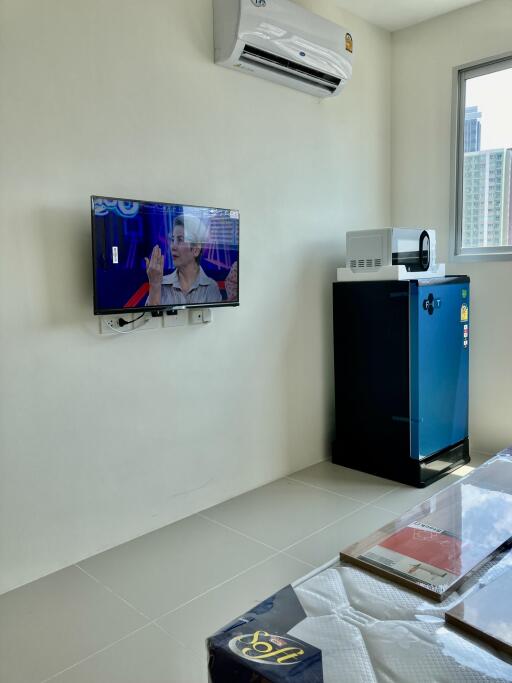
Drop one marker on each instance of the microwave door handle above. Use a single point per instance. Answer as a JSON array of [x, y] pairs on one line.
[[424, 236]]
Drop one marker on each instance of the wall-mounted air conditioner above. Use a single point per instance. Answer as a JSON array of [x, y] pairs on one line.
[[283, 42]]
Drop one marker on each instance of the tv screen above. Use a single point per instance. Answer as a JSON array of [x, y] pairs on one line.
[[155, 256]]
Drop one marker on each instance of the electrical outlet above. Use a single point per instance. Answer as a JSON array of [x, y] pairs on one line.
[[195, 316], [109, 324], [149, 322], [176, 318]]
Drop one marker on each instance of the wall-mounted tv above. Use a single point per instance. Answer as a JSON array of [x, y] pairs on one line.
[[155, 256]]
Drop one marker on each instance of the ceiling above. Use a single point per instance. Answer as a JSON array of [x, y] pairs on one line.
[[396, 14]]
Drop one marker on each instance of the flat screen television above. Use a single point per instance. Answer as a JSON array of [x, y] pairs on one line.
[[155, 256]]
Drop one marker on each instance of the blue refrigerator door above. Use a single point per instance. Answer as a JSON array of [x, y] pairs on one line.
[[439, 357]]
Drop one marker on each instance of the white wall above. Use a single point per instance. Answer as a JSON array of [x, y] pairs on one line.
[[422, 62], [103, 439]]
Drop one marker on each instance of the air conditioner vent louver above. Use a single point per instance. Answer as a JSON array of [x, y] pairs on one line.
[[360, 263], [369, 262], [272, 62], [280, 41], [353, 263], [378, 262]]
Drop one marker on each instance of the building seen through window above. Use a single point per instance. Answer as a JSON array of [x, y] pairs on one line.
[[487, 168]]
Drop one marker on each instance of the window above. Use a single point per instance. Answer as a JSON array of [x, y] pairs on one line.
[[482, 160]]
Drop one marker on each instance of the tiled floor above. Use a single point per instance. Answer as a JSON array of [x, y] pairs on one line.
[[140, 613]]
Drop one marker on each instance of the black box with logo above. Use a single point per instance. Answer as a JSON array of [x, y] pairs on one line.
[[257, 647]]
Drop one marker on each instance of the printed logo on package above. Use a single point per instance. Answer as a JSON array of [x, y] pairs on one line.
[[464, 313], [264, 648]]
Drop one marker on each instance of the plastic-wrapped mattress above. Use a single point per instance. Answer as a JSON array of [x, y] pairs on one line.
[[341, 624]]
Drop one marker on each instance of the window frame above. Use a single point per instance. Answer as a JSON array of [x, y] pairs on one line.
[[461, 74]]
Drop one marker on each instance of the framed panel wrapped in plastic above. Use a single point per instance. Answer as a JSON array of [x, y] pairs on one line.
[[434, 546], [345, 623]]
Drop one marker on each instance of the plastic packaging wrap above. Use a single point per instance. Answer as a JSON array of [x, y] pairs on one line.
[[343, 624], [393, 635], [436, 545], [361, 629]]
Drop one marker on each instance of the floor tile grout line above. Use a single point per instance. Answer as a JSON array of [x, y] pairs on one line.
[[97, 652], [199, 595], [322, 488], [111, 590], [388, 493], [316, 567], [339, 519], [154, 622], [232, 578], [240, 533], [161, 616], [304, 538], [368, 505], [379, 507], [335, 493], [294, 557], [169, 635], [308, 565], [276, 552], [298, 559], [420, 501], [218, 585], [280, 550]]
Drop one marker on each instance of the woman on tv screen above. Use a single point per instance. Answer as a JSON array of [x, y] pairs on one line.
[[154, 255], [188, 283]]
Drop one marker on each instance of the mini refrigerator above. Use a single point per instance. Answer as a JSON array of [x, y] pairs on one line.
[[401, 365]]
